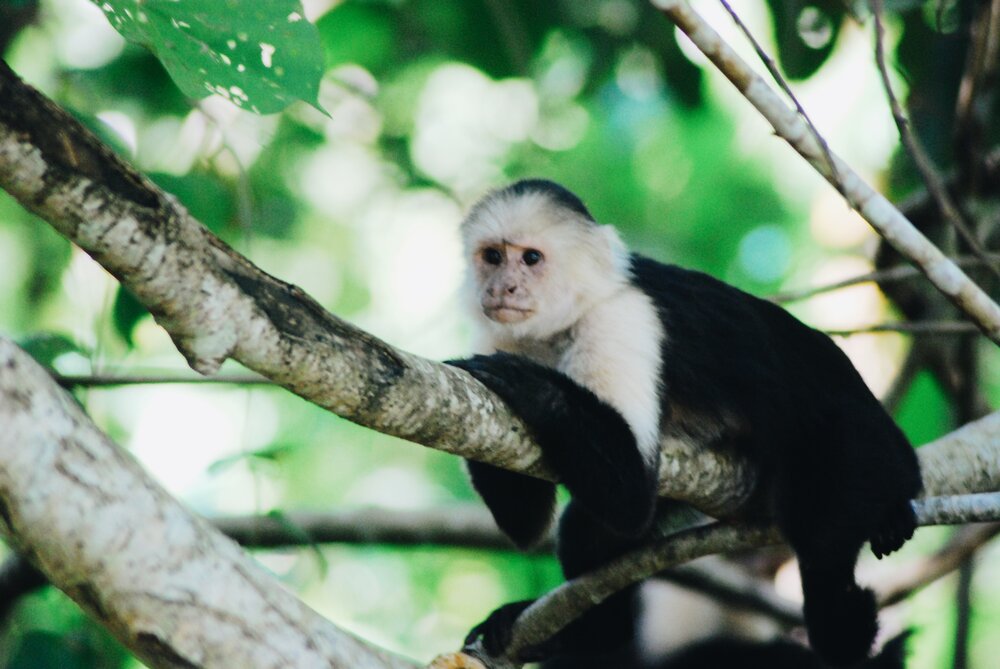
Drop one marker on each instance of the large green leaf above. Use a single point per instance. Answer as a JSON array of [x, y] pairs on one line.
[[259, 55]]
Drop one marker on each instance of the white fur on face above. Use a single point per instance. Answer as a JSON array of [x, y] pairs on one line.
[[588, 320], [584, 262]]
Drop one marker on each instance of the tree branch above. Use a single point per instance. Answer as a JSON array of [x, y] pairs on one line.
[[87, 515], [891, 275], [215, 305], [909, 578], [964, 461], [557, 608], [873, 206]]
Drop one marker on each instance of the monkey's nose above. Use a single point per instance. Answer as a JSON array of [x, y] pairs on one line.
[[511, 289]]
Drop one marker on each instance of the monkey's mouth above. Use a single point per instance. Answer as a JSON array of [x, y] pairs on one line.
[[506, 314]]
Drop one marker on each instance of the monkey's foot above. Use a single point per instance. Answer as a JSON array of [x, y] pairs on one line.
[[896, 526], [841, 624], [494, 633]]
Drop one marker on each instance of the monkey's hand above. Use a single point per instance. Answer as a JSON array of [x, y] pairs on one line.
[[895, 527], [494, 634], [587, 443]]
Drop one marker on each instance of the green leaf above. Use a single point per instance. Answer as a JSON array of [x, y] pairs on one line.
[[260, 56]]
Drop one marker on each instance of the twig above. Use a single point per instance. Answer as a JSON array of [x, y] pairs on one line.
[[468, 526], [891, 275], [905, 581], [111, 380], [932, 180], [911, 327], [873, 206], [733, 587], [555, 610], [976, 101], [772, 68]]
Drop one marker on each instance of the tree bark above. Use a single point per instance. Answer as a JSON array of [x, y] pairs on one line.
[[166, 583]]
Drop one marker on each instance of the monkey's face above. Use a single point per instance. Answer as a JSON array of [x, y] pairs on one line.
[[509, 276], [536, 267]]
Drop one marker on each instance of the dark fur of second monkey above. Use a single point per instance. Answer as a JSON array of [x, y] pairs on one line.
[[737, 373]]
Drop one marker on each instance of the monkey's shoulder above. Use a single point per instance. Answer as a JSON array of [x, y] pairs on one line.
[[723, 347]]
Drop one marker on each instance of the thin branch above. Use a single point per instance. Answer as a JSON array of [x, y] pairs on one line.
[[735, 588], [907, 579], [873, 206], [465, 526], [976, 103], [776, 75], [911, 327], [556, 609], [932, 180], [891, 275], [106, 380]]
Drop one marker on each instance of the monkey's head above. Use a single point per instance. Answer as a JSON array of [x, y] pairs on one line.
[[538, 260]]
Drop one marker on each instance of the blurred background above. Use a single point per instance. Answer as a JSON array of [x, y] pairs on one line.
[[432, 102]]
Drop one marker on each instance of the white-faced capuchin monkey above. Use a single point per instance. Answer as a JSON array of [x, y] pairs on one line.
[[605, 354]]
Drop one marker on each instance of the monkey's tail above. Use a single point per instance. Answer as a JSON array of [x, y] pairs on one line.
[[841, 616], [892, 655]]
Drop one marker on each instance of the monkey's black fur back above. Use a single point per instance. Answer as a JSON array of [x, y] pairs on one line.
[[737, 373]]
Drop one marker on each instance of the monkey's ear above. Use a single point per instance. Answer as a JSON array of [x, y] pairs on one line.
[[617, 250]]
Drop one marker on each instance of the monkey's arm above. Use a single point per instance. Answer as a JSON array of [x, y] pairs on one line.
[[586, 442]]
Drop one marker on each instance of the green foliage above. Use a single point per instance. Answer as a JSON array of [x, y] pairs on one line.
[[348, 207], [258, 55], [806, 32], [126, 314], [205, 194], [47, 347], [925, 413], [48, 631]]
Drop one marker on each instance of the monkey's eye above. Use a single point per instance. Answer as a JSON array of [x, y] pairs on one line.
[[492, 256], [531, 257]]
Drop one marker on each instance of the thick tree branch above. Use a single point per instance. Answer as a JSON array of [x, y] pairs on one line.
[[873, 206], [88, 516], [216, 305]]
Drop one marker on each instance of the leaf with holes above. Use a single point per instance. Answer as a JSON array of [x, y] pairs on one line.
[[260, 56]]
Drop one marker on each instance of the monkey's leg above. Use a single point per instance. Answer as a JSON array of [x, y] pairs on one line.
[[819, 511]]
